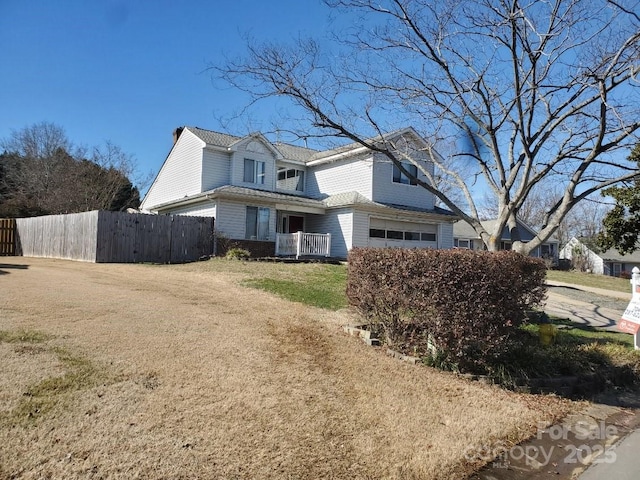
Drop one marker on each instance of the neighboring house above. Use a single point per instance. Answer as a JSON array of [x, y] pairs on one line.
[[261, 193], [464, 236], [615, 264], [610, 262], [582, 257]]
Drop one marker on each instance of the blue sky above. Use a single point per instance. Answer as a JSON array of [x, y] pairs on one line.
[[132, 71]]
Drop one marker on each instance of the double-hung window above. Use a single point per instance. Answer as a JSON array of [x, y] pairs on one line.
[[400, 177], [254, 171], [257, 223]]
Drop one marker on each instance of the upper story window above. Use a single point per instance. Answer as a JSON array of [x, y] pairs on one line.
[[291, 179], [254, 171], [399, 177]]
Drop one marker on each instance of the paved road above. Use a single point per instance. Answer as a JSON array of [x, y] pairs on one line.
[[586, 305]]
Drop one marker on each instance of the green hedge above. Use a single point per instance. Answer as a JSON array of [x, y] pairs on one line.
[[468, 303]]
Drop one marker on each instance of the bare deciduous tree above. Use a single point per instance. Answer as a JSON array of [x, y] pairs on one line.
[[42, 172], [536, 92]]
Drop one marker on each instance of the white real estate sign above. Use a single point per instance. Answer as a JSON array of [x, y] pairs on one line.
[[630, 322]]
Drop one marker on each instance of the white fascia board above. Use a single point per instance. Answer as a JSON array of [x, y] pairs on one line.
[[287, 207], [216, 148], [182, 203], [338, 156], [295, 163]]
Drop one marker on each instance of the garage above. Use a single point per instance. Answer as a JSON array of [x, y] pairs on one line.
[[400, 234]]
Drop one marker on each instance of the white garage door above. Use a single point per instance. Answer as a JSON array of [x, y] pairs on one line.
[[393, 233]]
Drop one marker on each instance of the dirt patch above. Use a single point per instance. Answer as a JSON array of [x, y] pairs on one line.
[[215, 380]]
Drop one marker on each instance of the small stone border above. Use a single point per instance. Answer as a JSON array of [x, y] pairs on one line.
[[568, 386], [365, 335]]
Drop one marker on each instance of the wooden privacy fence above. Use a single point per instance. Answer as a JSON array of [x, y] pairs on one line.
[[115, 237], [7, 236]]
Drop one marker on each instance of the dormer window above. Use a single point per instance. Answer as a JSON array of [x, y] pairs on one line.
[[400, 177], [291, 179], [254, 171]]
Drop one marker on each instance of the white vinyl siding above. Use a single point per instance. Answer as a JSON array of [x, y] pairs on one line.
[[215, 169], [351, 175], [445, 235], [207, 209], [385, 190], [360, 236], [181, 173]]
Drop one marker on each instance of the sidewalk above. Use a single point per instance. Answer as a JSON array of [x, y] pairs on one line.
[[621, 462], [598, 291]]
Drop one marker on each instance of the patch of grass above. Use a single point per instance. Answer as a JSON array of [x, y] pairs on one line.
[[45, 395], [577, 350], [322, 286], [23, 336], [590, 280]]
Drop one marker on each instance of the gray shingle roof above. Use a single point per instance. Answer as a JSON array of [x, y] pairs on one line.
[[213, 138], [613, 254], [347, 199], [294, 152], [264, 194], [289, 152], [462, 229]]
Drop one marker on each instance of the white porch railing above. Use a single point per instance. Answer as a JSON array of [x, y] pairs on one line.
[[303, 244]]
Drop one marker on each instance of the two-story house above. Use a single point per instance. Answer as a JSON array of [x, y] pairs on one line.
[[260, 192]]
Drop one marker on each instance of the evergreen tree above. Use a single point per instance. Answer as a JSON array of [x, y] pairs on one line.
[[622, 223]]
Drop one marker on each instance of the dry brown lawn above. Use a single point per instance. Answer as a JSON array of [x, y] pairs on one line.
[[180, 372]]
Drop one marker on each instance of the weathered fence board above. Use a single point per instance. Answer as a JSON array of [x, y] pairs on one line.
[[7, 236], [116, 237]]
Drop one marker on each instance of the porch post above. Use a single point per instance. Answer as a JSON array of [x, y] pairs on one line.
[[277, 244], [328, 245], [298, 244]]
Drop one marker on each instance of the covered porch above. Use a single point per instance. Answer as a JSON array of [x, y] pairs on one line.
[[301, 244], [291, 238]]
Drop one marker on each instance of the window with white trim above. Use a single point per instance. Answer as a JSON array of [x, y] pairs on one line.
[[291, 179], [257, 223], [254, 171], [400, 177]]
